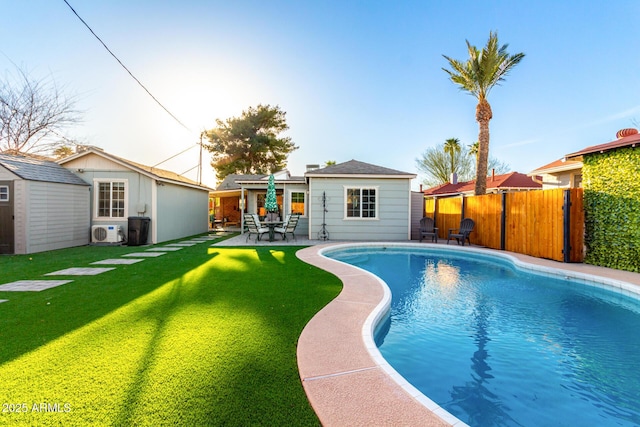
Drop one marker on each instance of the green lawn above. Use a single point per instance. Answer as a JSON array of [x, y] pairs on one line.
[[200, 336]]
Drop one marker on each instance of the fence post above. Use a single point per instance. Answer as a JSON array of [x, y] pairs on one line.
[[566, 222], [462, 208], [503, 222]]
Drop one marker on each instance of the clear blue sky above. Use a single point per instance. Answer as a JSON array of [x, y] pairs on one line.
[[358, 79]]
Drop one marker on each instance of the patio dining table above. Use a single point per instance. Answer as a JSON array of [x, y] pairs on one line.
[[272, 226]]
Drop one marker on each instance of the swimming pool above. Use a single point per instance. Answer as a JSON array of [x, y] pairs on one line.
[[496, 346]]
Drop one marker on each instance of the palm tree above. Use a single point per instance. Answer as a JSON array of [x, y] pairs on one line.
[[478, 75], [473, 149], [452, 147]]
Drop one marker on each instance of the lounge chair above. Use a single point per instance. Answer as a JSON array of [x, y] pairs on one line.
[[462, 233], [428, 229], [253, 228], [289, 226]]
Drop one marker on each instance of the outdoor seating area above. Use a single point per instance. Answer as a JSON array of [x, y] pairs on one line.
[[428, 229], [271, 226], [462, 233]]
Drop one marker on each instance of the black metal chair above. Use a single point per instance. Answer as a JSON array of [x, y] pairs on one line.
[[462, 234], [428, 229]]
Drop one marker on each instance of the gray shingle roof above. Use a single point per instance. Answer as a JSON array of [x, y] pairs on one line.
[[230, 182], [39, 170], [355, 167]]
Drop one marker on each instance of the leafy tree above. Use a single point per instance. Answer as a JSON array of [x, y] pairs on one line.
[[250, 144], [329, 163], [452, 147], [478, 75], [62, 152], [33, 112], [435, 164]]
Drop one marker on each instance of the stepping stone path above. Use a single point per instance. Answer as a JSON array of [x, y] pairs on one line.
[[170, 249], [145, 254], [117, 261], [32, 285], [80, 271], [132, 258]]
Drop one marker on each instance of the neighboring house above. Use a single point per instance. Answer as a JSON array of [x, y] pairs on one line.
[[354, 200], [562, 173], [176, 206], [43, 206], [505, 183]]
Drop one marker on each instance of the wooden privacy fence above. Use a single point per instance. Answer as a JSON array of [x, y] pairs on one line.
[[544, 223]]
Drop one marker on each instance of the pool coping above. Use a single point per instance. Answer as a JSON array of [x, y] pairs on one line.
[[344, 375]]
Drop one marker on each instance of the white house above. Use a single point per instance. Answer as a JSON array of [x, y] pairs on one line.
[[175, 206], [43, 206], [347, 201]]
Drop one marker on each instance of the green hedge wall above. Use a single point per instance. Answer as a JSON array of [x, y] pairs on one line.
[[611, 184]]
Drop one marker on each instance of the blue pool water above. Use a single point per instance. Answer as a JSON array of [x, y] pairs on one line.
[[496, 346]]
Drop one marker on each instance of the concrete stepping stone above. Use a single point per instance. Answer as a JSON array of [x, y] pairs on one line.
[[186, 243], [145, 254], [32, 285], [164, 249], [3, 300], [180, 245], [80, 271], [117, 261]]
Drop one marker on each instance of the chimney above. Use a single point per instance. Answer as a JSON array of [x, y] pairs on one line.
[[626, 132], [493, 175], [312, 167], [454, 178]]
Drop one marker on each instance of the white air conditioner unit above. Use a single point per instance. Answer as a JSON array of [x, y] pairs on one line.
[[105, 234]]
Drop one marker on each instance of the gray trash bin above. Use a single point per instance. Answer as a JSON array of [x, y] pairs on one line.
[[138, 230]]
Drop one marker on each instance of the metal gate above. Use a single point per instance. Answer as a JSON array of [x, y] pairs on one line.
[[6, 217]]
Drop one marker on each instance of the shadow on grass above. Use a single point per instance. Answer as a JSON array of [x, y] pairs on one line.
[[211, 338]]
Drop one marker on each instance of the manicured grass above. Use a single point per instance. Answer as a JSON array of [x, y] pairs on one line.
[[201, 336]]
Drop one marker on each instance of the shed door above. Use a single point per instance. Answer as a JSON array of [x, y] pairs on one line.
[[6, 217]]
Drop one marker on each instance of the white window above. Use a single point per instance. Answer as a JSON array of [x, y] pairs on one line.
[[361, 202], [4, 193], [110, 198], [298, 205]]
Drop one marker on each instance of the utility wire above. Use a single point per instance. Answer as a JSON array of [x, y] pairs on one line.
[[123, 66]]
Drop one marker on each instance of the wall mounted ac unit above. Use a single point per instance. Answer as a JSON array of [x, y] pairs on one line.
[[105, 234]]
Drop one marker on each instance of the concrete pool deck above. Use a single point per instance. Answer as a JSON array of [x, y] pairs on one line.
[[348, 383]]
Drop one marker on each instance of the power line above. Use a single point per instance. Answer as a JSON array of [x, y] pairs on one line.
[[127, 70]]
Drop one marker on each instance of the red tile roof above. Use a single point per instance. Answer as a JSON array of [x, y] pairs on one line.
[[557, 166], [627, 141], [509, 181]]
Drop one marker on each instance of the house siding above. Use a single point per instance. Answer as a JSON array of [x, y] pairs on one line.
[[391, 223], [175, 211], [50, 216], [173, 220]]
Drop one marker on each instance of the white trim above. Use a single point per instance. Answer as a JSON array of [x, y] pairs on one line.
[[154, 212], [361, 218], [306, 200], [8, 196], [96, 196]]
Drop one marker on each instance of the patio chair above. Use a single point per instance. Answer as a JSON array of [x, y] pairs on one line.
[[462, 234], [253, 228], [428, 229], [289, 226]]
